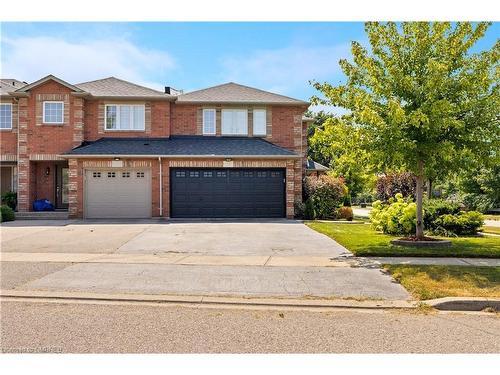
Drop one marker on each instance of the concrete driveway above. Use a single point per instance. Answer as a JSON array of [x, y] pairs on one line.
[[268, 258], [280, 237]]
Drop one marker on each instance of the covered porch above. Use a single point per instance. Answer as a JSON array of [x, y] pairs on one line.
[[46, 179]]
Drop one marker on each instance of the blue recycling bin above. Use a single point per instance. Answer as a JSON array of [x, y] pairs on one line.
[[43, 205]]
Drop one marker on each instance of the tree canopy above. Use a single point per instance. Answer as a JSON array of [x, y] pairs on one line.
[[338, 145], [423, 99]]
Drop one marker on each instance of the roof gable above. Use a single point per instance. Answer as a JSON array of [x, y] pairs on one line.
[[50, 77], [235, 93], [115, 87]]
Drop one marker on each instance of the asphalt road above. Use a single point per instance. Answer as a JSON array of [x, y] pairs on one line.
[[140, 328]]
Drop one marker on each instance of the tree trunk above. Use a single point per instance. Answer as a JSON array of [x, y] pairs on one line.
[[420, 193], [429, 188]]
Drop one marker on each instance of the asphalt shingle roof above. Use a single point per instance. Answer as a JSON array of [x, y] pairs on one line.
[[182, 146], [10, 84], [314, 166], [234, 93], [111, 87]]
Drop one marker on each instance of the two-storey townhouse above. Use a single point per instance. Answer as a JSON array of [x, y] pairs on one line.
[[112, 149]]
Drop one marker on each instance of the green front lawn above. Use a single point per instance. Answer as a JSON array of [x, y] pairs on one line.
[[429, 282], [362, 240]]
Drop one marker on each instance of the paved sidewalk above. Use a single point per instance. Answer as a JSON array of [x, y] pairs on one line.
[[248, 260], [484, 262], [492, 223]]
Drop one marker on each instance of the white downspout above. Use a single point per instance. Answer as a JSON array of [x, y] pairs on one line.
[[161, 188]]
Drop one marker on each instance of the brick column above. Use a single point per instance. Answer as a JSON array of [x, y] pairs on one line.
[[290, 188], [77, 121], [75, 179], [23, 162]]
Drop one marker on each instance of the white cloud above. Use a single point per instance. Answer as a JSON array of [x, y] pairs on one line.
[[338, 111], [31, 58], [287, 69]]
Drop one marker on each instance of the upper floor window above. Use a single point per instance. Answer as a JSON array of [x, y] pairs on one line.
[[234, 122], [6, 116], [53, 112], [259, 122], [209, 121], [124, 117]]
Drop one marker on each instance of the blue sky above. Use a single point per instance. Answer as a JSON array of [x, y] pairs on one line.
[[279, 57]]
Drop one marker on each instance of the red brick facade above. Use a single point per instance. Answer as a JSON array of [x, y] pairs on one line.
[[37, 147]]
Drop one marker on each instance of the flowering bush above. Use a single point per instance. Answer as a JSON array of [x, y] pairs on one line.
[[397, 217]]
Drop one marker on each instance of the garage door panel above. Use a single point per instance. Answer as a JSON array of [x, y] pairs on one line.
[[197, 192], [118, 194]]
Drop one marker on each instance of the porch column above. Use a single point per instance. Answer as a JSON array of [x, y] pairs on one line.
[[23, 162], [290, 188], [77, 121], [75, 208]]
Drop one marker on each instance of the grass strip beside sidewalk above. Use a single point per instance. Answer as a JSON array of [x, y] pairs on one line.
[[429, 282]]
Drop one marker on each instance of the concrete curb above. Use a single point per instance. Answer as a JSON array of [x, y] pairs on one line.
[[442, 304], [464, 303], [209, 300]]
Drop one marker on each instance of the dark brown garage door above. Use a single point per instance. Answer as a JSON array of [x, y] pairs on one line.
[[227, 193]]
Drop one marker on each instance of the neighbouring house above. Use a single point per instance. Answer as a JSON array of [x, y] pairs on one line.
[[113, 149], [315, 169]]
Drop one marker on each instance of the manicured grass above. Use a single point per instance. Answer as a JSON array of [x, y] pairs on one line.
[[488, 229], [428, 282], [362, 240]]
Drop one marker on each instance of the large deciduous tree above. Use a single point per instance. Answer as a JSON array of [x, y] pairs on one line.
[[424, 99]]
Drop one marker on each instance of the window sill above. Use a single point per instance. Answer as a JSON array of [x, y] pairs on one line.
[[125, 130], [53, 124], [6, 129]]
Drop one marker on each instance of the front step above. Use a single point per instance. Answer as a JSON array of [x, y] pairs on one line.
[[42, 215]]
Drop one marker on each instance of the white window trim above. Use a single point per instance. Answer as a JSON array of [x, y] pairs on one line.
[[232, 110], [118, 116], [52, 122], [10, 105], [265, 122], [212, 110]]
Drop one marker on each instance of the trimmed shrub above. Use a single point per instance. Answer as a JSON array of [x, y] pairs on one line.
[[396, 183], [345, 213], [325, 195], [460, 224], [10, 199], [434, 208], [6, 213], [309, 212], [397, 217], [299, 209]]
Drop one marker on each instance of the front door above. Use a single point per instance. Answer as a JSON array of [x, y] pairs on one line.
[[62, 186]]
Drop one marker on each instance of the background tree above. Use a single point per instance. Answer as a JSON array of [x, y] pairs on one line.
[[423, 98], [337, 145]]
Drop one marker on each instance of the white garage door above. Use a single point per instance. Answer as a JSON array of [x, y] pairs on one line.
[[118, 193]]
